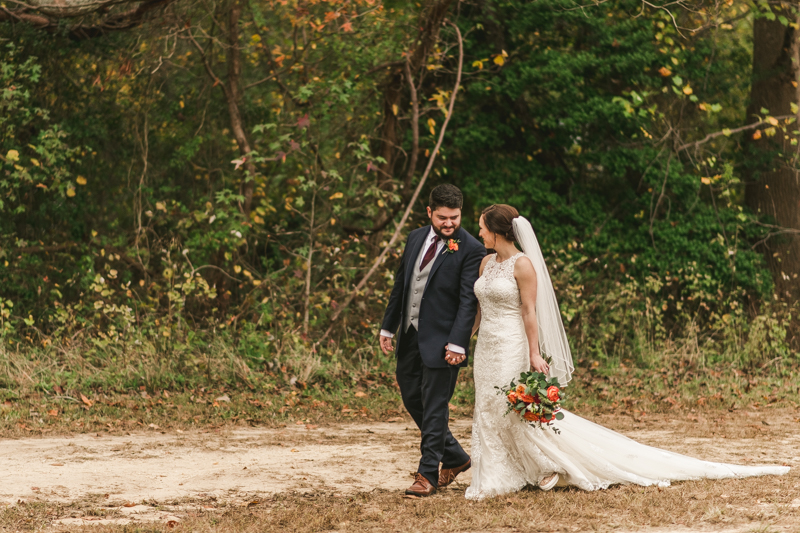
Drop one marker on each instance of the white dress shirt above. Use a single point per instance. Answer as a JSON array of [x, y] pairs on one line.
[[439, 247]]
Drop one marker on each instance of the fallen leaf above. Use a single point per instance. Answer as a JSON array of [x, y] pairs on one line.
[[152, 426], [57, 464], [361, 394], [129, 504], [223, 398], [311, 426], [86, 400], [172, 523], [294, 450], [396, 419], [53, 412]]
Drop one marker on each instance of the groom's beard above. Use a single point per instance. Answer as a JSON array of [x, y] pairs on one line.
[[438, 231]]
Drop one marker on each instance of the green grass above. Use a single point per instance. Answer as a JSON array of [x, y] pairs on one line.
[[121, 387]]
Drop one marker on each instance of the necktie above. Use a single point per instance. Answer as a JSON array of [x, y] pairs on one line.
[[430, 252]]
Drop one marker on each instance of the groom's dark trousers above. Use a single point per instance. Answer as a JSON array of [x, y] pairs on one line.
[[445, 315], [426, 395]]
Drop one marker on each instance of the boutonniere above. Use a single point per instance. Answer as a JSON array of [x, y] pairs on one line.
[[452, 246]]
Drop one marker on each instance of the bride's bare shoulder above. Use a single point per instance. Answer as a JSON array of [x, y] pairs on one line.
[[523, 268]]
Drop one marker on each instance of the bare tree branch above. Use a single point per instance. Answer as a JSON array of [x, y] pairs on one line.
[[49, 16], [380, 259], [727, 132]]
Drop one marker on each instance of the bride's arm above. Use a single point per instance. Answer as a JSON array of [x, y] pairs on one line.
[[526, 280], [477, 323]]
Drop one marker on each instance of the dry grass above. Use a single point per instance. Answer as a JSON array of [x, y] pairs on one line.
[[709, 505]]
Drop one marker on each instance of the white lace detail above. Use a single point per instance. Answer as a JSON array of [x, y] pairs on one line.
[[508, 454]]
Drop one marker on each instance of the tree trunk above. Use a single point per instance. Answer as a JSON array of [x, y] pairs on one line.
[[775, 191], [233, 96], [395, 103]]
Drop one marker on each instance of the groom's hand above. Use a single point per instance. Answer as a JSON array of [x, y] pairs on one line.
[[453, 358], [386, 345]]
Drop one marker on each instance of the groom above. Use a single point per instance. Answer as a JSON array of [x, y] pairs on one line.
[[432, 308]]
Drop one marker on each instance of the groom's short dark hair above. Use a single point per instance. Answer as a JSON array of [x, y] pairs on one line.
[[446, 195]]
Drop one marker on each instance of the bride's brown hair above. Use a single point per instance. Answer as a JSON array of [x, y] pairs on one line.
[[498, 219]]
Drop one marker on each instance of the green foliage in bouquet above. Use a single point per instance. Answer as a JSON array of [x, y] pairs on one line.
[[535, 398]]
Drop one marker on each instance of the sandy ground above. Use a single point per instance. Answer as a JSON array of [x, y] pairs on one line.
[[238, 465]]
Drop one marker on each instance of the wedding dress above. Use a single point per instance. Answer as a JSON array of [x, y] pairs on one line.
[[508, 454]]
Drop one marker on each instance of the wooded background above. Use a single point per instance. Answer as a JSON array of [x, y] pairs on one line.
[[174, 170]]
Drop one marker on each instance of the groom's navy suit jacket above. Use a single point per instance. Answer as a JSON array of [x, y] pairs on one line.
[[447, 311]]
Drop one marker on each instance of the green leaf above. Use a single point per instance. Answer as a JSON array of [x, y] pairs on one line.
[[559, 416], [677, 80]]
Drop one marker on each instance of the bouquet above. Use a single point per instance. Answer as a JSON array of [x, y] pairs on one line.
[[536, 399]]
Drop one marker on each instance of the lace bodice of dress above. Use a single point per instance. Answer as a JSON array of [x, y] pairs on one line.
[[497, 289]]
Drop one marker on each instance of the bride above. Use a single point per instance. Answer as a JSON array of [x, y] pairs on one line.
[[519, 321]]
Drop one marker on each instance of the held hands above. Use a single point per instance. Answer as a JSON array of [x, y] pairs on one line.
[[453, 358], [386, 345], [539, 364]]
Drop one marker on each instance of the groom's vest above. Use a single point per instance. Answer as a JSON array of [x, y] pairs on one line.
[[415, 290]]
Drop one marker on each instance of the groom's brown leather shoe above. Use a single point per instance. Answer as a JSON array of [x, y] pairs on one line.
[[448, 475], [421, 486]]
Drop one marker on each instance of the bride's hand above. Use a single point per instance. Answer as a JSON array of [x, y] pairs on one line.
[[539, 364]]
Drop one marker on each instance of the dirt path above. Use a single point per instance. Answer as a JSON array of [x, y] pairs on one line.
[[238, 465]]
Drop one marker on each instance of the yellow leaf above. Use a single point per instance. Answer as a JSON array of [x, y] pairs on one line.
[[12, 156], [431, 123], [674, 60], [161, 206], [772, 120], [80, 180], [381, 203], [687, 90], [335, 196], [237, 269], [705, 181], [35, 162], [499, 60], [505, 54], [333, 221], [181, 104], [757, 135], [394, 109], [70, 192], [478, 64]]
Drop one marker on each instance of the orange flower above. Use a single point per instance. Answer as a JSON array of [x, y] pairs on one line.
[[552, 393], [453, 246], [531, 417], [520, 389], [527, 398], [512, 397]]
